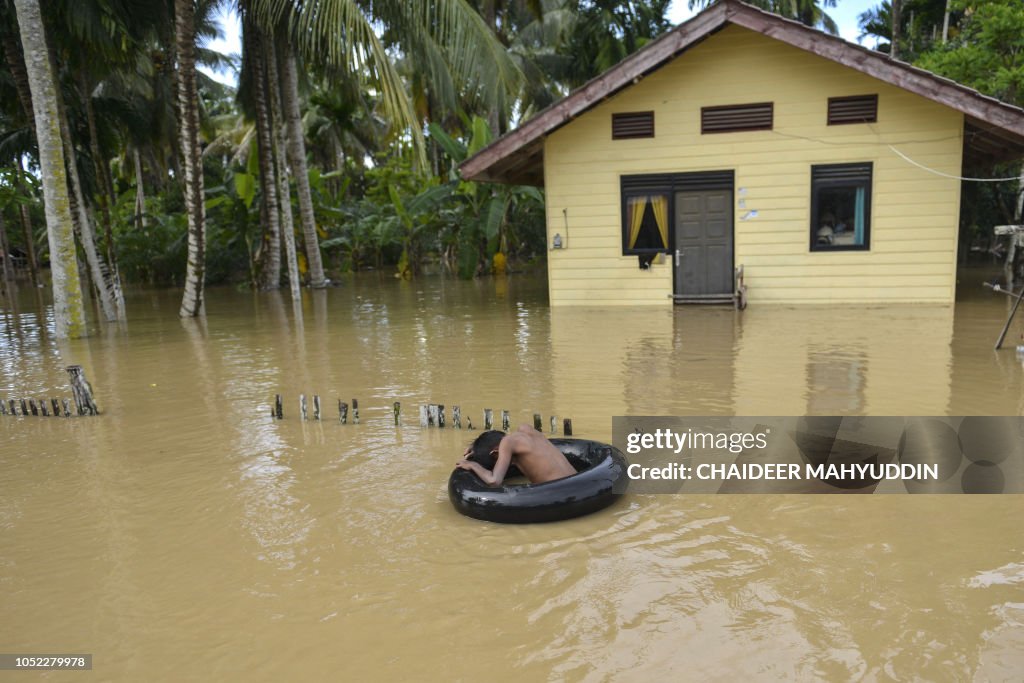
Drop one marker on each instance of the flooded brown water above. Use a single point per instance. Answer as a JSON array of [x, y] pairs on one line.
[[184, 535]]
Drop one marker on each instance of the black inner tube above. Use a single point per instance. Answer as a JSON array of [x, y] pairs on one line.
[[599, 480]]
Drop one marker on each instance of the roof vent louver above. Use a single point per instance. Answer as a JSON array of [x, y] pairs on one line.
[[636, 124], [860, 109]]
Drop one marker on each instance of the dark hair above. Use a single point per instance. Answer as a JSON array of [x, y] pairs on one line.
[[483, 445]]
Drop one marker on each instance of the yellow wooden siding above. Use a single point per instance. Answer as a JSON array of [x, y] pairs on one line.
[[914, 214]]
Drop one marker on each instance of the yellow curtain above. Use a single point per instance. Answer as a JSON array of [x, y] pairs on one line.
[[660, 205], [636, 218]]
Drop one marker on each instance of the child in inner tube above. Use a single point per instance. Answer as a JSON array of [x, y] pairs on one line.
[[491, 454]]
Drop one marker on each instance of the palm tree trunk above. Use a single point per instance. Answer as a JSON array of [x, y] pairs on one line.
[[297, 161], [191, 158], [5, 254], [16, 63], [140, 190], [945, 24], [270, 257], [897, 19], [106, 287], [69, 313], [284, 195], [26, 223], [107, 196]]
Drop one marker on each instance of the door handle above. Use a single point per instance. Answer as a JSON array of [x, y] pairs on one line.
[[678, 256]]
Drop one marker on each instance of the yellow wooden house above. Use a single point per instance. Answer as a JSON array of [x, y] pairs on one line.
[[828, 171]]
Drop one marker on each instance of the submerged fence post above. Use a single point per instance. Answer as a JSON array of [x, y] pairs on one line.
[[43, 409], [66, 407], [554, 424], [24, 407], [398, 413], [431, 414], [342, 411], [440, 415], [504, 421], [278, 407], [424, 417], [488, 418], [10, 402], [3, 408], [536, 422], [456, 417], [316, 407], [355, 411], [567, 427], [82, 391], [302, 406], [32, 406], [56, 407]]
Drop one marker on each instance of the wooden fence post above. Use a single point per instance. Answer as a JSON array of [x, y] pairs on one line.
[[431, 414], [567, 427], [56, 407], [457, 417], [536, 422], [82, 391], [440, 415], [342, 411], [424, 416], [302, 406], [278, 407], [398, 413], [488, 419], [505, 422], [554, 424]]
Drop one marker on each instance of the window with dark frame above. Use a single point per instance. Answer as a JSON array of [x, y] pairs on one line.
[[646, 223], [841, 207], [630, 125], [857, 109], [737, 117], [647, 205]]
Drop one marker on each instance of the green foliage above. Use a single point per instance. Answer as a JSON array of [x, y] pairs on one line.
[[988, 55]]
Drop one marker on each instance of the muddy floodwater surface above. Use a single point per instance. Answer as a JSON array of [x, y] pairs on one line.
[[185, 535]]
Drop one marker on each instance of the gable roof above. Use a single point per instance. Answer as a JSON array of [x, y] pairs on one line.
[[994, 130]]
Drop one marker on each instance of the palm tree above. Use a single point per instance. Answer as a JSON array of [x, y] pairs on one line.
[[808, 12], [69, 312], [191, 158]]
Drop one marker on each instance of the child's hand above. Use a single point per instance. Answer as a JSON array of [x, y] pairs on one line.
[[464, 464]]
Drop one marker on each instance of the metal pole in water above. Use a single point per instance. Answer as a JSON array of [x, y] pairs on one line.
[[343, 411], [488, 418], [82, 391], [456, 417]]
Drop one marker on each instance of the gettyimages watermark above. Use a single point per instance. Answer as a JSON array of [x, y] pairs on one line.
[[976, 454]]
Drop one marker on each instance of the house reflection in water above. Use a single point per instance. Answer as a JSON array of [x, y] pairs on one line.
[[767, 360]]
